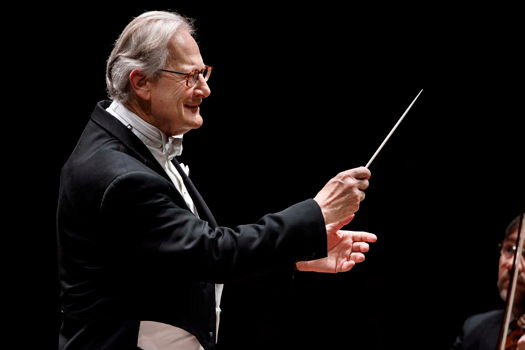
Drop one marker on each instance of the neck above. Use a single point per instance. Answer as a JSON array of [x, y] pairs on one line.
[[140, 109], [143, 110]]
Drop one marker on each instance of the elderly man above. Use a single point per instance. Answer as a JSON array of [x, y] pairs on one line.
[[142, 259]]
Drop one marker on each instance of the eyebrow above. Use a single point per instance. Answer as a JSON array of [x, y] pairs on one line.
[[192, 67], [509, 240]]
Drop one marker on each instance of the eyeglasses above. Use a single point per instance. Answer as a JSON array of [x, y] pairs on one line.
[[508, 249], [193, 77]]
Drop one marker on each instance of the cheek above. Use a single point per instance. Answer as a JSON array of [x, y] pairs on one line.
[[161, 97], [179, 97], [170, 91], [501, 270]]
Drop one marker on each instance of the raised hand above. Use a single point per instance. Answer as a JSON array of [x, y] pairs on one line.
[[340, 198], [348, 248]]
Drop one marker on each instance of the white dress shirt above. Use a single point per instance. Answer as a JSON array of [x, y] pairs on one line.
[[156, 335]]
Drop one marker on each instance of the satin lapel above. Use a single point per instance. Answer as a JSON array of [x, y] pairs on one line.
[[204, 211]]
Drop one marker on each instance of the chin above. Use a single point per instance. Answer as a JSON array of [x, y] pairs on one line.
[[190, 123], [195, 123], [198, 121]]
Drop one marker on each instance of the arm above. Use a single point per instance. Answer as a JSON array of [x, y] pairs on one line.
[[146, 221]]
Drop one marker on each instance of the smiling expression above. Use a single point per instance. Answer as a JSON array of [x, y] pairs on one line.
[[172, 106]]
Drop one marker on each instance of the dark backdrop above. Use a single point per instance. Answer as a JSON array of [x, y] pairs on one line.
[[298, 95]]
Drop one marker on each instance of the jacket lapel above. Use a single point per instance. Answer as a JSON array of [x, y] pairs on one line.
[[101, 117], [113, 126], [204, 211]]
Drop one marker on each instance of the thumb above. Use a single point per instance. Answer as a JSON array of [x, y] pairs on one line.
[[332, 231], [346, 222], [336, 226]]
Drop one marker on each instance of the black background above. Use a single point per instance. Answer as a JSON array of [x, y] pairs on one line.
[[299, 94]]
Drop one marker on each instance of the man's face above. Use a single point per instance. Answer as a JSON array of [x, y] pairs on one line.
[[505, 265], [174, 105]]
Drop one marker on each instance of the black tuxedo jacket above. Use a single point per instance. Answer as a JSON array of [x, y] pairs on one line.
[[480, 332], [130, 249]]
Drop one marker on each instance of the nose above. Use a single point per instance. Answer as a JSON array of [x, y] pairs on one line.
[[202, 88], [506, 261]]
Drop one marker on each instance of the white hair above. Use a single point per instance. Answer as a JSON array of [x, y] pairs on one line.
[[142, 45]]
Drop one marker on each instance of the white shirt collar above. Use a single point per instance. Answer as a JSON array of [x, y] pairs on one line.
[[170, 146]]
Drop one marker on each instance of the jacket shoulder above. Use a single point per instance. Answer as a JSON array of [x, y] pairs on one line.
[[484, 318]]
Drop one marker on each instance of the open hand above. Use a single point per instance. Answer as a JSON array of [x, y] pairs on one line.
[[347, 249]]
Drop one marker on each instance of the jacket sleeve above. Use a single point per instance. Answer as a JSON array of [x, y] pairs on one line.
[[145, 221]]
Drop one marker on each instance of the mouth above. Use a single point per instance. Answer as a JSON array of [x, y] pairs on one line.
[[192, 108], [505, 283]]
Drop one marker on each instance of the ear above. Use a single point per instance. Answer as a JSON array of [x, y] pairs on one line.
[[140, 84]]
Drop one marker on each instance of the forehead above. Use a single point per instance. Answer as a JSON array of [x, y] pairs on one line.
[[512, 238], [184, 51]]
